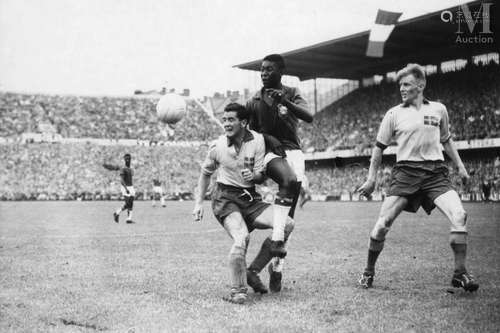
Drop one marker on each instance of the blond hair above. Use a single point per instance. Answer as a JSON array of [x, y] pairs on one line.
[[416, 70]]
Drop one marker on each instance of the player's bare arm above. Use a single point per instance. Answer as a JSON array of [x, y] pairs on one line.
[[300, 111], [451, 151], [203, 183], [369, 185], [111, 167]]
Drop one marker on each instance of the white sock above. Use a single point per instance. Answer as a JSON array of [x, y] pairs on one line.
[[129, 212], [277, 264], [280, 214], [118, 211]]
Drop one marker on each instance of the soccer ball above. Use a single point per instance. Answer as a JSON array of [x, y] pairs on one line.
[[171, 108]]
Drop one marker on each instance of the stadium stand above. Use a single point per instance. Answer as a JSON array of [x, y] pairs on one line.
[[71, 171], [472, 97], [74, 171], [98, 117], [339, 181], [62, 171]]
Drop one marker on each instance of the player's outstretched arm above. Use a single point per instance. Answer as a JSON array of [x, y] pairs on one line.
[[203, 183], [110, 167], [451, 151], [369, 185]]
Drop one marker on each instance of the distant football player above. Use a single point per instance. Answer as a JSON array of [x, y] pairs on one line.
[[420, 176], [276, 110], [158, 193], [238, 155], [127, 188]]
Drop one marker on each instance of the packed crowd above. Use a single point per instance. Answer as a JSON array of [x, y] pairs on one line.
[[345, 180], [71, 171], [472, 97], [99, 117]]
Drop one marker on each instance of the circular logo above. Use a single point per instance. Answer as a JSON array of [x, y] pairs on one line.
[[446, 16]]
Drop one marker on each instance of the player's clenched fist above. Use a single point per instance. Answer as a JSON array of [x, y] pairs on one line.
[[464, 175], [276, 94], [198, 212], [247, 175], [367, 188]]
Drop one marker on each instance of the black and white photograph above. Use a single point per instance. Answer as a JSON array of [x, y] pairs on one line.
[[249, 166]]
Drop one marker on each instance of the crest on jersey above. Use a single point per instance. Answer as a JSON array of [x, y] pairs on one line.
[[249, 162], [431, 120]]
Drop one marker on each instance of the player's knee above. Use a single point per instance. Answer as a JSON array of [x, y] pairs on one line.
[[289, 183], [459, 221], [289, 226], [288, 187], [239, 248], [241, 240], [459, 217], [381, 228]]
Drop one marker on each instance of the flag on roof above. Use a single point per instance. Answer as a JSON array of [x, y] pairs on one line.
[[380, 32]]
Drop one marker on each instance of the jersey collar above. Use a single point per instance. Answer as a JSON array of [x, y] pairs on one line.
[[406, 104], [258, 94], [248, 136]]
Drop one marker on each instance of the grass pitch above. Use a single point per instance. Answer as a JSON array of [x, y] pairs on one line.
[[67, 267]]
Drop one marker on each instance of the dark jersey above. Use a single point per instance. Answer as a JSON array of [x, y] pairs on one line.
[[156, 182], [267, 117], [126, 175]]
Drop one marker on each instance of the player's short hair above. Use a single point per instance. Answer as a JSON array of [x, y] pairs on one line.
[[412, 69], [241, 111], [127, 154], [277, 59]]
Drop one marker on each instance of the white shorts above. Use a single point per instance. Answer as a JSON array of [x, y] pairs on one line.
[[130, 190], [157, 189], [296, 160]]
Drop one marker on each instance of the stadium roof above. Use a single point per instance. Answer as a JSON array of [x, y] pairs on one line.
[[425, 39]]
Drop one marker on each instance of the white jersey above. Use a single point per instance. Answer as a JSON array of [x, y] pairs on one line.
[[223, 156], [418, 133]]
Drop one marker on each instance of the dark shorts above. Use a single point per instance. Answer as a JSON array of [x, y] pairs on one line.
[[420, 182], [228, 199]]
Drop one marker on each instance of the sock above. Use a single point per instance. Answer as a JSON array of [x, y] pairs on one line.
[[118, 211], [374, 250], [280, 214], [291, 213], [238, 268], [262, 258], [129, 215], [277, 264], [458, 243]]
